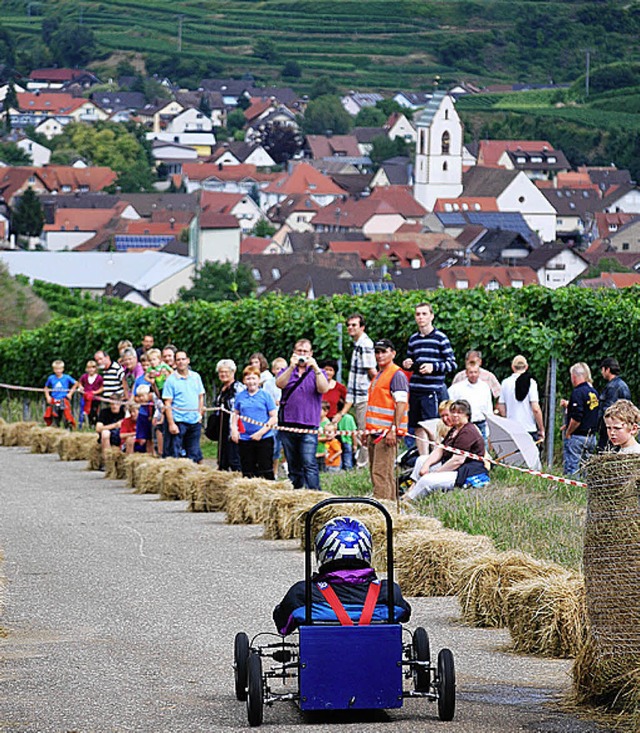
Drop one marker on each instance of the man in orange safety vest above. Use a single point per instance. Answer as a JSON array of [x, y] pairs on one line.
[[386, 418]]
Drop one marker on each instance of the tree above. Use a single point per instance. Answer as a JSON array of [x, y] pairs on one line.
[[27, 219], [11, 97], [134, 179], [11, 154], [7, 49], [282, 142], [263, 228], [236, 120], [326, 113], [291, 70], [265, 48], [370, 117], [322, 86], [73, 45], [382, 148], [389, 106], [216, 281]]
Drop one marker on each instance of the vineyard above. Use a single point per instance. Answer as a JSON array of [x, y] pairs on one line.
[[573, 324], [389, 46]]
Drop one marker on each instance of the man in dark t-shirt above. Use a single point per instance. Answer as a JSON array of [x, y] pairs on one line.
[[582, 420], [108, 426]]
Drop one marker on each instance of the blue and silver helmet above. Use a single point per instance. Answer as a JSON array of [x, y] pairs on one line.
[[343, 538]]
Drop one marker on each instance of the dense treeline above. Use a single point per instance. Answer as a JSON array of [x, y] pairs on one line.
[[572, 323]]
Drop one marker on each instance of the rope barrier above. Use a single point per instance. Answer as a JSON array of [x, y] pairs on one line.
[[359, 433]]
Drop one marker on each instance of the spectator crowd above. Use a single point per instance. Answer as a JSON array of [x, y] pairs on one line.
[[293, 416]]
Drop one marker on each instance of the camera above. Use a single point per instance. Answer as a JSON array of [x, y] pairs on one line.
[[302, 360]]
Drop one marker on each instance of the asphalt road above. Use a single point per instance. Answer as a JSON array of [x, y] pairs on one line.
[[121, 612]]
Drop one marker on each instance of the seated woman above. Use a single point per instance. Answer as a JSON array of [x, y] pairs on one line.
[[345, 589], [442, 469]]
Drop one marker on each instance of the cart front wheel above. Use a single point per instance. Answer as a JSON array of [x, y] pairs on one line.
[[240, 658], [255, 699], [446, 685], [421, 653]]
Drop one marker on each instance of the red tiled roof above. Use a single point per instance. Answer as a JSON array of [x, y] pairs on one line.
[[401, 252], [605, 221], [220, 202], [214, 220], [55, 74], [153, 228], [256, 108], [399, 198], [93, 178], [304, 178], [478, 276], [254, 245], [322, 146], [384, 200], [466, 203], [490, 151], [52, 103], [203, 171], [82, 220], [613, 280]]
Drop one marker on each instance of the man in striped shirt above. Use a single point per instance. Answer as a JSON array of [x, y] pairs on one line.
[[112, 375], [430, 359]]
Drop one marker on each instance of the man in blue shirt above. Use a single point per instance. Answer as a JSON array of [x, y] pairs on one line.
[[582, 420], [183, 396]]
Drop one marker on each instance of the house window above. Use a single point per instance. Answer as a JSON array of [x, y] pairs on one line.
[[256, 274], [493, 285], [462, 284], [446, 114], [536, 159], [613, 227], [415, 264], [275, 273], [625, 245], [445, 143], [444, 166], [521, 160], [552, 159], [517, 283], [521, 199]]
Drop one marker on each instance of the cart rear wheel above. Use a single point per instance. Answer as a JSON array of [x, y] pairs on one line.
[[421, 653], [446, 685], [255, 699], [240, 658]]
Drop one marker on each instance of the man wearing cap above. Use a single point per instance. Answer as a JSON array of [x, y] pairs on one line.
[[386, 416], [519, 399], [615, 389]]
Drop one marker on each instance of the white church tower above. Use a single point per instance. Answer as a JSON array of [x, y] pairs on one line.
[[438, 169]]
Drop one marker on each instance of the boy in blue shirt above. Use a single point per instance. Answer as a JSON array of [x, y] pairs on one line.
[[58, 390]]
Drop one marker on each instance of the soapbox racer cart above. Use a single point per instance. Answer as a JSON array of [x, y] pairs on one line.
[[334, 667]]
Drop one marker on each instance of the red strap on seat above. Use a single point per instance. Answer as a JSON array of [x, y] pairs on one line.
[[370, 603], [343, 617]]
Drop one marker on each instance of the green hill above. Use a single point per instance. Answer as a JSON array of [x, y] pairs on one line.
[[375, 44], [20, 308]]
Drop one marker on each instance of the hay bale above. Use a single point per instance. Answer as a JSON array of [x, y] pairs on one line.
[[147, 476], [285, 513], [130, 463], [607, 670], [247, 499], [176, 477], [209, 490], [45, 440], [483, 583], [427, 560], [17, 433], [114, 464], [94, 459], [547, 616], [76, 446]]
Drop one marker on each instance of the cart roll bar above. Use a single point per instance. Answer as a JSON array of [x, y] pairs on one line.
[[308, 550]]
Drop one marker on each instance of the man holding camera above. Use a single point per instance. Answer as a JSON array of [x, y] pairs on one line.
[[302, 383], [429, 358]]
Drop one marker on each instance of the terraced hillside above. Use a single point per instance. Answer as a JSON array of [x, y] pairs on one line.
[[376, 44]]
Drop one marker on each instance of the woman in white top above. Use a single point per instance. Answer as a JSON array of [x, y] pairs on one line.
[[519, 399]]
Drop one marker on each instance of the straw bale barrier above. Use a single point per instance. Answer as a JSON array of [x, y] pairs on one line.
[[248, 499], [17, 433], [546, 615], [94, 459], [130, 463], [176, 476], [483, 583], [286, 512], [426, 561], [114, 464], [45, 440], [209, 492], [147, 475], [607, 670], [76, 446]]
